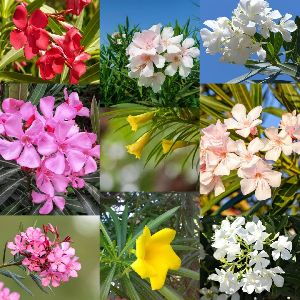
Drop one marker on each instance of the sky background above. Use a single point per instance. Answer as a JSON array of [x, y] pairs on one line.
[[213, 71], [146, 13]]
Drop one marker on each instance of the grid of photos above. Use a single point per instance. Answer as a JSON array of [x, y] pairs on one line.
[[196, 192]]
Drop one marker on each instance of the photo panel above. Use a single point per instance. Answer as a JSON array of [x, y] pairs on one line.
[[249, 191], [149, 246], [50, 41], [49, 257], [150, 56], [49, 149], [249, 40], [146, 148]]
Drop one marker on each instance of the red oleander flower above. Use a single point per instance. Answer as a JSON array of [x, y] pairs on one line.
[[76, 6], [30, 33], [51, 63]]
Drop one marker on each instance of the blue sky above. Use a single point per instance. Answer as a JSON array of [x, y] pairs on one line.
[[146, 13], [211, 69]]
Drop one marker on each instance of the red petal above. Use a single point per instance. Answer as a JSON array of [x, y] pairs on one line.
[[29, 52], [38, 19], [78, 69], [20, 17], [18, 39], [42, 39]]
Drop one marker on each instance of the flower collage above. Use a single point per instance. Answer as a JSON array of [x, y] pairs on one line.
[[126, 172]]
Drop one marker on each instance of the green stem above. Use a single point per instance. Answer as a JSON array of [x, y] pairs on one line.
[[10, 264]]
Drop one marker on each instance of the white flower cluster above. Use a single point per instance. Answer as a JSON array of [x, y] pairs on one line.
[[242, 248], [213, 294], [219, 154], [156, 52], [117, 37], [234, 39]]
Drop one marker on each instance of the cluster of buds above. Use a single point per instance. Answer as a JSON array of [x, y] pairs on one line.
[[54, 52], [49, 145], [54, 261]]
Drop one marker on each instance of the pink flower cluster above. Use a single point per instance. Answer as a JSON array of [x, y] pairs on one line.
[[151, 49], [219, 154], [5, 293], [53, 261], [49, 145], [55, 52]]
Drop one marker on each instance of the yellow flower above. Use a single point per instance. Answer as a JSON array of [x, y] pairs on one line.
[[171, 145], [137, 147], [135, 121], [155, 256]]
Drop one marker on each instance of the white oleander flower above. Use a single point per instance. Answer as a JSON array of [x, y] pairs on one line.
[[286, 26], [260, 260], [256, 234], [169, 42], [282, 248], [229, 283], [155, 81]]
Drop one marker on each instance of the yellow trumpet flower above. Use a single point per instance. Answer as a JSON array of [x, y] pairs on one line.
[[168, 145], [155, 256], [135, 121], [137, 147]]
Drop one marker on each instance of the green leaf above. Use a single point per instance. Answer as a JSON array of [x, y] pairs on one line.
[[170, 294], [92, 75], [37, 93], [92, 30], [105, 286], [130, 289], [18, 91], [17, 77], [34, 5], [87, 203], [7, 173], [187, 273], [55, 26], [117, 226], [10, 57], [8, 189]]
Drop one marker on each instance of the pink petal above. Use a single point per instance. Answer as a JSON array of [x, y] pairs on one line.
[[90, 166], [27, 110], [38, 197], [59, 202], [95, 151], [36, 128], [59, 182], [65, 112], [38, 19], [46, 208], [46, 145], [29, 158], [76, 160], [10, 150], [13, 126], [47, 106], [56, 163], [83, 137], [44, 184]]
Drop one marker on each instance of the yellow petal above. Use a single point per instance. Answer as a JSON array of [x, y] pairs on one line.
[[135, 121], [168, 145], [137, 147], [141, 267], [164, 236], [141, 243], [158, 281]]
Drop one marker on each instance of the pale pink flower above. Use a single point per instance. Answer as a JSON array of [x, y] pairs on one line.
[[169, 42], [247, 154], [289, 122], [209, 182], [183, 60], [244, 124], [214, 135], [276, 143], [259, 178], [5, 293], [48, 201], [155, 81]]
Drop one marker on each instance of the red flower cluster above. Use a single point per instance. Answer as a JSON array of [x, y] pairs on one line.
[[54, 51]]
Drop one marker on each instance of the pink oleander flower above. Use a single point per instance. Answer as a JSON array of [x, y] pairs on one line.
[[23, 149], [247, 154], [54, 261], [277, 142], [259, 178], [30, 33], [48, 201], [243, 123], [73, 101], [76, 6], [5, 293], [169, 42]]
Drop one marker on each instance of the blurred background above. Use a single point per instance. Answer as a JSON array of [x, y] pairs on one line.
[[121, 171], [84, 232]]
